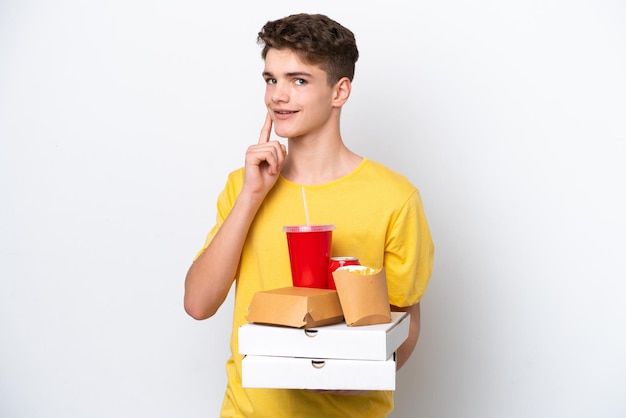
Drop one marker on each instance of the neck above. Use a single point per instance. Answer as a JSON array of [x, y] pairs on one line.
[[312, 161]]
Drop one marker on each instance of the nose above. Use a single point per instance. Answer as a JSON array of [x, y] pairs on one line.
[[279, 92]]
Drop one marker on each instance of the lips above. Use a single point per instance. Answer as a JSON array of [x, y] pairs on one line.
[[284, 114]]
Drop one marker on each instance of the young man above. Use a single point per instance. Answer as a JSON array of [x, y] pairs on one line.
[[378, 215]]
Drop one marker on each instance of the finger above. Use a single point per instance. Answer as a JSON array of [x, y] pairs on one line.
[[266, 130], [268, 154]]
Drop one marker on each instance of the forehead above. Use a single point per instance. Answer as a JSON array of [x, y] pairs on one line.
[[285, 61]]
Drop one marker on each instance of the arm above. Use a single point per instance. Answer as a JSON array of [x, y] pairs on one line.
[[404, 351], [210, 277]]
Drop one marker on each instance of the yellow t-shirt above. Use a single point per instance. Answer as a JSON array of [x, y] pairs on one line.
[[378, 217]]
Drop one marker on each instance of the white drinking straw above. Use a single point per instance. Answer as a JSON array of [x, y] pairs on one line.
[[306, 209]]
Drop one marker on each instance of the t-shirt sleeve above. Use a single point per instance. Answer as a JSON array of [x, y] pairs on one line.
[[225, 202], [409, 254]]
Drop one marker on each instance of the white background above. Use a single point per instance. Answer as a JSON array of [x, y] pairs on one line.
[[120, 120]]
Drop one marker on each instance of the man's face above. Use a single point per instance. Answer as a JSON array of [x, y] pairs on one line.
[[297, 94]]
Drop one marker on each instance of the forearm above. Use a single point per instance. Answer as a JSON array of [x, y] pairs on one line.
[[406, 349], [210, 277]]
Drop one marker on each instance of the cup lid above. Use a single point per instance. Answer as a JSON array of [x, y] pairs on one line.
[[308, 228]]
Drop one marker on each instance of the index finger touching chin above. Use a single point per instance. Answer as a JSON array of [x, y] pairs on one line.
[[266, 130]]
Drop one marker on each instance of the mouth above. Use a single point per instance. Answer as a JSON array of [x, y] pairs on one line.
[[285, 112], [284, 115]]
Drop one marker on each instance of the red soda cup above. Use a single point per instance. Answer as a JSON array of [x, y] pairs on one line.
[[335, 263], [310, 247]]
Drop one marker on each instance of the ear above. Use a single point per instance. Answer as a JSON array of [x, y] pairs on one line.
[[341, 91]]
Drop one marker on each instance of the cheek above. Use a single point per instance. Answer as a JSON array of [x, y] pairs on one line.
[[268, 96]]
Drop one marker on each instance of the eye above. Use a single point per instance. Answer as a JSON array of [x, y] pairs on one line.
[[300, 82], [270, 80]]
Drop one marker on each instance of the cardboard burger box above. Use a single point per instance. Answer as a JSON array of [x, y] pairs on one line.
[[296, 307], [337, 341]]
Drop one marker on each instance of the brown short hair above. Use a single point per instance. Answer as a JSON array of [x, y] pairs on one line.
[[316, 39]]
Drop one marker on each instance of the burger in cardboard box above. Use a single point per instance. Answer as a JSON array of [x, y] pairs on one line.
[[297, 307]]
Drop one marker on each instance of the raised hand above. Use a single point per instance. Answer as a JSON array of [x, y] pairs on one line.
[[264, 161]]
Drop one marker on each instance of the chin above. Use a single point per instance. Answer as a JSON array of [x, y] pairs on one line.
[[283, 133]]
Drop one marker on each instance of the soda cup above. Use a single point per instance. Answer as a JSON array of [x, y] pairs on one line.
[[309, 253], [335, 263]]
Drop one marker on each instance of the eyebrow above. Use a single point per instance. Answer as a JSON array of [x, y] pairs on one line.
[[292, 74]]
